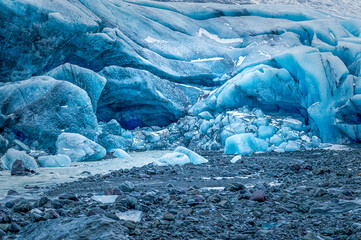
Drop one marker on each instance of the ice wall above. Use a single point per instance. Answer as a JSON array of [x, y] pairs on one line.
[[148, 63]]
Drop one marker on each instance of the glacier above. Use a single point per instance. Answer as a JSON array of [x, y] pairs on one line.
[[138, 75]]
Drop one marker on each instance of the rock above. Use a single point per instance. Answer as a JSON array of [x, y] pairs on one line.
[[295, 167], [22, 206], [36, 215], [91, 228], [12, 192], [258, 196], [130, 224], [18, 169], [2, 234], [113, 191], [233, 187], [79, 148], [131, 202], [214, 198], [59, 160], [12, 155], [127, 187], [14, 228], [312, 236], [168, 216], [69, 196], [225, 204], [95, 211]]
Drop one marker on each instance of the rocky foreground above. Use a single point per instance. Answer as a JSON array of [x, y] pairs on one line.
[[299, 195]]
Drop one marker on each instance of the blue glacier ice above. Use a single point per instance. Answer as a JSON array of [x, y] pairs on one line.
[[173, 158], [59, 160], [84, 78], [99, 67], [8, 159], [245, 144], [79, 148], [41, 108]]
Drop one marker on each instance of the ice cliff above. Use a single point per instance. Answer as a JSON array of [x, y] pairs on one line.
[[74, 66]]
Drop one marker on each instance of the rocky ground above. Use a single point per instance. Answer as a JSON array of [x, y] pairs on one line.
[[299, 195]]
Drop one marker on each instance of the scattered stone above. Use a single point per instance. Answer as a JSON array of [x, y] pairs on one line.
[[127, 187], [112, 191], [233, 187], [225, 204], [2, 234], [258, 196], [69, 196], [14, 228], [295, 167], [18, 169], [22, 205], [12, 192], [168, 216]]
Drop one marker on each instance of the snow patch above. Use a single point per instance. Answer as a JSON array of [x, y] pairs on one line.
[[204, 33]]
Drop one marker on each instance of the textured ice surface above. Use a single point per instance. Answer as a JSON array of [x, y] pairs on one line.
[[173, 158], [41, 108], [79, 148], [180, 156], [12, 155], [245, 143], [146, 63], [59, 160]]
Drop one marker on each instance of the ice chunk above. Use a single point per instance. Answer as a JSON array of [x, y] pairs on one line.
[[131, 215], [206, 115], [294, 124], [205, 126], [277, 140], [84, 78], [236, 159], [173, 158], [79, 148], [120, 153], [292, 146], [12, 155], [194, 157], [110, 141], [266, 131], [245, 143], [59, 160], [105, 198], [152, 137], [35, 109]]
